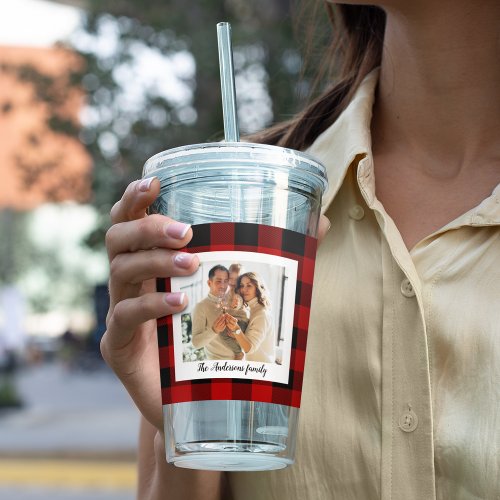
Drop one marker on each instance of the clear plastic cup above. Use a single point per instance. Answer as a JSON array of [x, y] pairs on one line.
[[236, 182]]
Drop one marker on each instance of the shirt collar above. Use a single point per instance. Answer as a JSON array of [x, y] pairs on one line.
[[487, 213], [348, 139]]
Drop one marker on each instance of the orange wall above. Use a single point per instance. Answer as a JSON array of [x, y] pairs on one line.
[[56, 167]]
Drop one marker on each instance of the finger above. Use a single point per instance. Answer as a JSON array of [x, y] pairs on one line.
[[229, 319], [134, 268], [136, 199], [143, 234], [231, 325], [323, 228], [129, 314]]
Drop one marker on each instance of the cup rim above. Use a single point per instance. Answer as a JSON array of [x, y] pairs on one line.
[[297, 160]]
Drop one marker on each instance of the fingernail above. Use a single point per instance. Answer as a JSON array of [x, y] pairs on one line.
[[183, 260], [145, 184], [329, 226], [177, 230], [174, 299]]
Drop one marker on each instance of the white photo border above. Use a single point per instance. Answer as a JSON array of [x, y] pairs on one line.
[[271, 372]]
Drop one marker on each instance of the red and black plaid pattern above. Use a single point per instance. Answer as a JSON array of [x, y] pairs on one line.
[[228, 236]]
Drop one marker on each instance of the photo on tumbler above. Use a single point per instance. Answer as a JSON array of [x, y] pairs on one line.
[[239, 320]]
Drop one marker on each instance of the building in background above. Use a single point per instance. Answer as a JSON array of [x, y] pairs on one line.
[[37, 163]]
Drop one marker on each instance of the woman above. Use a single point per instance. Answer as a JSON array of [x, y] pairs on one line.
[[401, 386], [257, 341]]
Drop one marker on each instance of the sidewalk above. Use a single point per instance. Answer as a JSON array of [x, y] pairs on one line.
[[76, 435]]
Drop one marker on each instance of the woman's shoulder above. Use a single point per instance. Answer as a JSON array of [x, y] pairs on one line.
[[261, 312], [257, 308]]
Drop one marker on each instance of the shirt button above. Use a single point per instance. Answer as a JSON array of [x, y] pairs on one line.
[[356, 212], [408, 421], [407, 288]]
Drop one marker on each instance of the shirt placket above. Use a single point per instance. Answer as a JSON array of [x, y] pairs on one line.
[[407, 468]]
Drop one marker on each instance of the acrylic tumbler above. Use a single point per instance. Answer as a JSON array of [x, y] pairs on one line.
[[266, 187]]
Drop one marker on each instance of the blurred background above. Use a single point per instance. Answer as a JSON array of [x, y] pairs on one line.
[[88, 91]]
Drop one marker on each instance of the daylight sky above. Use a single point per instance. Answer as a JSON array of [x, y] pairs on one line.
[[35, 22]]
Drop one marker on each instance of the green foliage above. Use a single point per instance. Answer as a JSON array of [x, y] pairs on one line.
[[267, 62], [9, 398], [189, 352], [13, 249], [130, 116]]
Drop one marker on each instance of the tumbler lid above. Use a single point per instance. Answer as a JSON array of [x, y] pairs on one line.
[[202, 160]]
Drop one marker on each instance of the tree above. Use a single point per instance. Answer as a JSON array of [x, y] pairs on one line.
[[133, 112]]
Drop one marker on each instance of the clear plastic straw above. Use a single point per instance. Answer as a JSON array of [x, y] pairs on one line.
[[231, 134], [231, 128]]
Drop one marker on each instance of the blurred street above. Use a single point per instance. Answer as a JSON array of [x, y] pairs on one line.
[[73, 439], [33, 493]]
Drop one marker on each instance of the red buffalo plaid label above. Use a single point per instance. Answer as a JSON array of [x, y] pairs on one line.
[[229, 238]]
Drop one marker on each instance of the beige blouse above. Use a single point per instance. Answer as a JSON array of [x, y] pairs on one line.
[[401, 397], [260, 333]]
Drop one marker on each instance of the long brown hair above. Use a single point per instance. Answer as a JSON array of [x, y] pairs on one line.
[[354, 51], [261, 292]]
